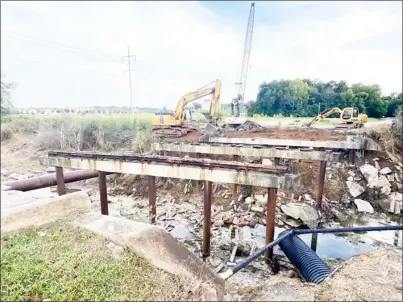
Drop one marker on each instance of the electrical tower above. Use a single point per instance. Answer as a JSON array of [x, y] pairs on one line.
[[128, 57], [241, 85]]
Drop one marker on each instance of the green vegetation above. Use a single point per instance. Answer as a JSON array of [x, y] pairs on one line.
[[6, 89], [77, 132], [63, 263], [303, 98]]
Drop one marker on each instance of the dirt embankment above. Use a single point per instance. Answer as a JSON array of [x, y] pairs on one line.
[[373, 276], [278, 133]]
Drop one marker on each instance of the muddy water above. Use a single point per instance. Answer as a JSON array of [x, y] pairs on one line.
[[341, 246]]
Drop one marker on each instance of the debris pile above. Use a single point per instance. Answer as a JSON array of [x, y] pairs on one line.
[[249, 126]]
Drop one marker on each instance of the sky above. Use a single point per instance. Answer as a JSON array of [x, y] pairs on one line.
[[69, 54]]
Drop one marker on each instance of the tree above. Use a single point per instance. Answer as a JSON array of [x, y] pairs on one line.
[[6, 89], [196, 106]]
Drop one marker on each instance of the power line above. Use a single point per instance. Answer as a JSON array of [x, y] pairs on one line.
[[61, 46], [49, 64], [128, 57]]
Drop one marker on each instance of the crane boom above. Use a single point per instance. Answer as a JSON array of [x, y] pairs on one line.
[[241, 85]]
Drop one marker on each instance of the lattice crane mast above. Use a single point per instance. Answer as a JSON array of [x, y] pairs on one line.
[[241, 85]]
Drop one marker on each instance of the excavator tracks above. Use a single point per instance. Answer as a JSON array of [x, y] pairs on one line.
[[171, 131]]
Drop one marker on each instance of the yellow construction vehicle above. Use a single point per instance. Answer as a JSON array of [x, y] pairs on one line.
[[349, 116], [176, 124]]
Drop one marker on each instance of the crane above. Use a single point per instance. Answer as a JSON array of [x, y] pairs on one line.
[[241, 85]]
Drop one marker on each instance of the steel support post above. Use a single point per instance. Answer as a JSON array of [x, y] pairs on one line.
[[351, 155], [314, 241], [270, 220], [321, 183], [103, 194], [207, 218], [61, 187], [152, 198], [234, 191]]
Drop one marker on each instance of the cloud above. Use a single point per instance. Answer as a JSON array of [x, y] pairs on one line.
[[69, 53]]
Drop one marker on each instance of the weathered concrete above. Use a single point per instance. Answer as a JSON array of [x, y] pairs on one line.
[[356, 143], [285, 182], [250, 151], [156, 245], [20, 210]]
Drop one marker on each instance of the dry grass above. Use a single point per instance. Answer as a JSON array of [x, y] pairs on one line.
[[391, 139], [374, 276]]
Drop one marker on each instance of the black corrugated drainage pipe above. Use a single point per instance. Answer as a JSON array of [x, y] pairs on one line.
[[304, 259], [287, 234]]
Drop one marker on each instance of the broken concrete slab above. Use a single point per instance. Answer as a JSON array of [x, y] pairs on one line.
[[385, 171], [23, 212], [305, 212], [156, 245], [388, 204], [179, 231], [267, 162], [369, 172], [354, 188], [363, 206]]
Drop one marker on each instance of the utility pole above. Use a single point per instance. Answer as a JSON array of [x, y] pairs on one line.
[[128, 57]]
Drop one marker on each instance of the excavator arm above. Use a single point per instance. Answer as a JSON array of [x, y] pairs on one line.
[[324, 114], [197, 94]]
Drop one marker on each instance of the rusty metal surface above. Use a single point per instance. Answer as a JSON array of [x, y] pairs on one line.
[[152, 198], [249, 151], [103, 194], [49, 180], [270, 219], [207, 218], [321, 183], [169, 160], [287, 182], [61, 187]]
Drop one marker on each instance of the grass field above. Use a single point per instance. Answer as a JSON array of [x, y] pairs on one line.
[[59, 262]]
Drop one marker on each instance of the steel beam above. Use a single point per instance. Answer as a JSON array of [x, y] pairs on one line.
[[270, 220], [61, 187], [232, 173], [152, 198], [303, 154], [321, 183], [357, 144], [207, 218], [103, 194]]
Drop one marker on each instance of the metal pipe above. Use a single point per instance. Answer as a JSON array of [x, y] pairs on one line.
[[61, 187], [207, 218], [103, 194], [49, 180], [152, 198], [253, 257], [256, 255], [350, 229], [270, 220], [321, 183]]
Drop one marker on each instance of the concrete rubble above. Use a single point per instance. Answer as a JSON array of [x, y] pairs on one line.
[[363, 206]]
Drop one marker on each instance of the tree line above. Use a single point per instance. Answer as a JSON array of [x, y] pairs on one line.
[[306, 98]]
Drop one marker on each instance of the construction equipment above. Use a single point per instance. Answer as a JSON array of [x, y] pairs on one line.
[[235, 118], [177, 124], [349, 116]]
